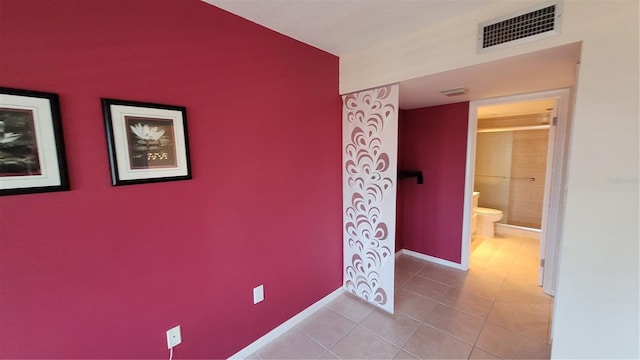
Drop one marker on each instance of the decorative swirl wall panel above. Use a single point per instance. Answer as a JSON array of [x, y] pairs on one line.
[[370, 145]]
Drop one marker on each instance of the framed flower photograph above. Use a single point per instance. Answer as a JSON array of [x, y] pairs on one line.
[[146, 142], [32, 156]]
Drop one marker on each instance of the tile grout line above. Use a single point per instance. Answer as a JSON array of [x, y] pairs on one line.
[[379, 336], [342, 337], [496, 301], [484, 323], [438, 300]]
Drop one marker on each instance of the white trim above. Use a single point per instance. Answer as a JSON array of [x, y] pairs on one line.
[[518, 227], [286, 326], [515, 128], [553, 212], [550, 177], [433, 259], [548, 245], [514, 230], [472, 127]]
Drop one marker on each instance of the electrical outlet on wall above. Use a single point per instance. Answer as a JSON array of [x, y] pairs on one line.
[[173, 337], [258, 294]]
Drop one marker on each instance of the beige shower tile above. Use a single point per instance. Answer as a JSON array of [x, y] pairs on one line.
[[456, 323]]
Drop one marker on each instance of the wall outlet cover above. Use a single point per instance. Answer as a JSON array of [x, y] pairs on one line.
[[258, 294], [173, 337]]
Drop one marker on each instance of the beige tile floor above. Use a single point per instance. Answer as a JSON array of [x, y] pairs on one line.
[[495, 310]]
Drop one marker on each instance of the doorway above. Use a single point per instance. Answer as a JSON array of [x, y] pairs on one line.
[[553, 192]]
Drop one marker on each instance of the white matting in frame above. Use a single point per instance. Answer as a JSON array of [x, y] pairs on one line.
[[147, 142], [32, 157]]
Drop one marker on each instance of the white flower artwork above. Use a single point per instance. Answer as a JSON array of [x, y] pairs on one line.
[[146, 132]]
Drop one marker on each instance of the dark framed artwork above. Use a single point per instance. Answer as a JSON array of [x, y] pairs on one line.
[[146, 142], [32, 156]]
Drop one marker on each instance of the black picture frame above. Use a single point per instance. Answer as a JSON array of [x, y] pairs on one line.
[[146, 142], [32, 152]]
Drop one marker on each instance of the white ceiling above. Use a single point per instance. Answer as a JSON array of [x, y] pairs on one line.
[[541, 70], [343, 26], [329, 25], [521, 108]]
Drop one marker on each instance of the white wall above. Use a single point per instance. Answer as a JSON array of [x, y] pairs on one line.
[[597, 310], [597, 303]]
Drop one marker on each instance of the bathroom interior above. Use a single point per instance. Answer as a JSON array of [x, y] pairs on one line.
[[512, 143]]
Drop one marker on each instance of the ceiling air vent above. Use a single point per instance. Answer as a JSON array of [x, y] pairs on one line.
[[521, 27]]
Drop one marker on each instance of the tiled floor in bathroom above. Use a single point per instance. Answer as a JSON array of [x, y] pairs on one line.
[[495, 310]]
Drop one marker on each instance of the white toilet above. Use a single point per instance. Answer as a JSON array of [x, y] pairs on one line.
[[483, 219]]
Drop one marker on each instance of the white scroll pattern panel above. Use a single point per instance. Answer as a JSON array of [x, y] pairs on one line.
[[370, 144]]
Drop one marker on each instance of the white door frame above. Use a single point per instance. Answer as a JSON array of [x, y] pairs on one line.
[[553, 206]]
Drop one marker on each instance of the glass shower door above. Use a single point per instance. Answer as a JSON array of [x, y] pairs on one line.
[[493, 170]]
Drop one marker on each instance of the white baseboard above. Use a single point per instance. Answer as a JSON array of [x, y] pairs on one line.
[[298, 318], [286, 326], [433, 259], [514, 230]]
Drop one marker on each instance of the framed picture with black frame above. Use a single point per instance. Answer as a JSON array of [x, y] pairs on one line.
[[32, 154], [146, 142]]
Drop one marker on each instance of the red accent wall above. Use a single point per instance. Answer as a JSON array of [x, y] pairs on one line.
[[102, 271], [433, 140]]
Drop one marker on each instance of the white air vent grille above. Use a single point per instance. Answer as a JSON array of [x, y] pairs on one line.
[[522, 27]]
